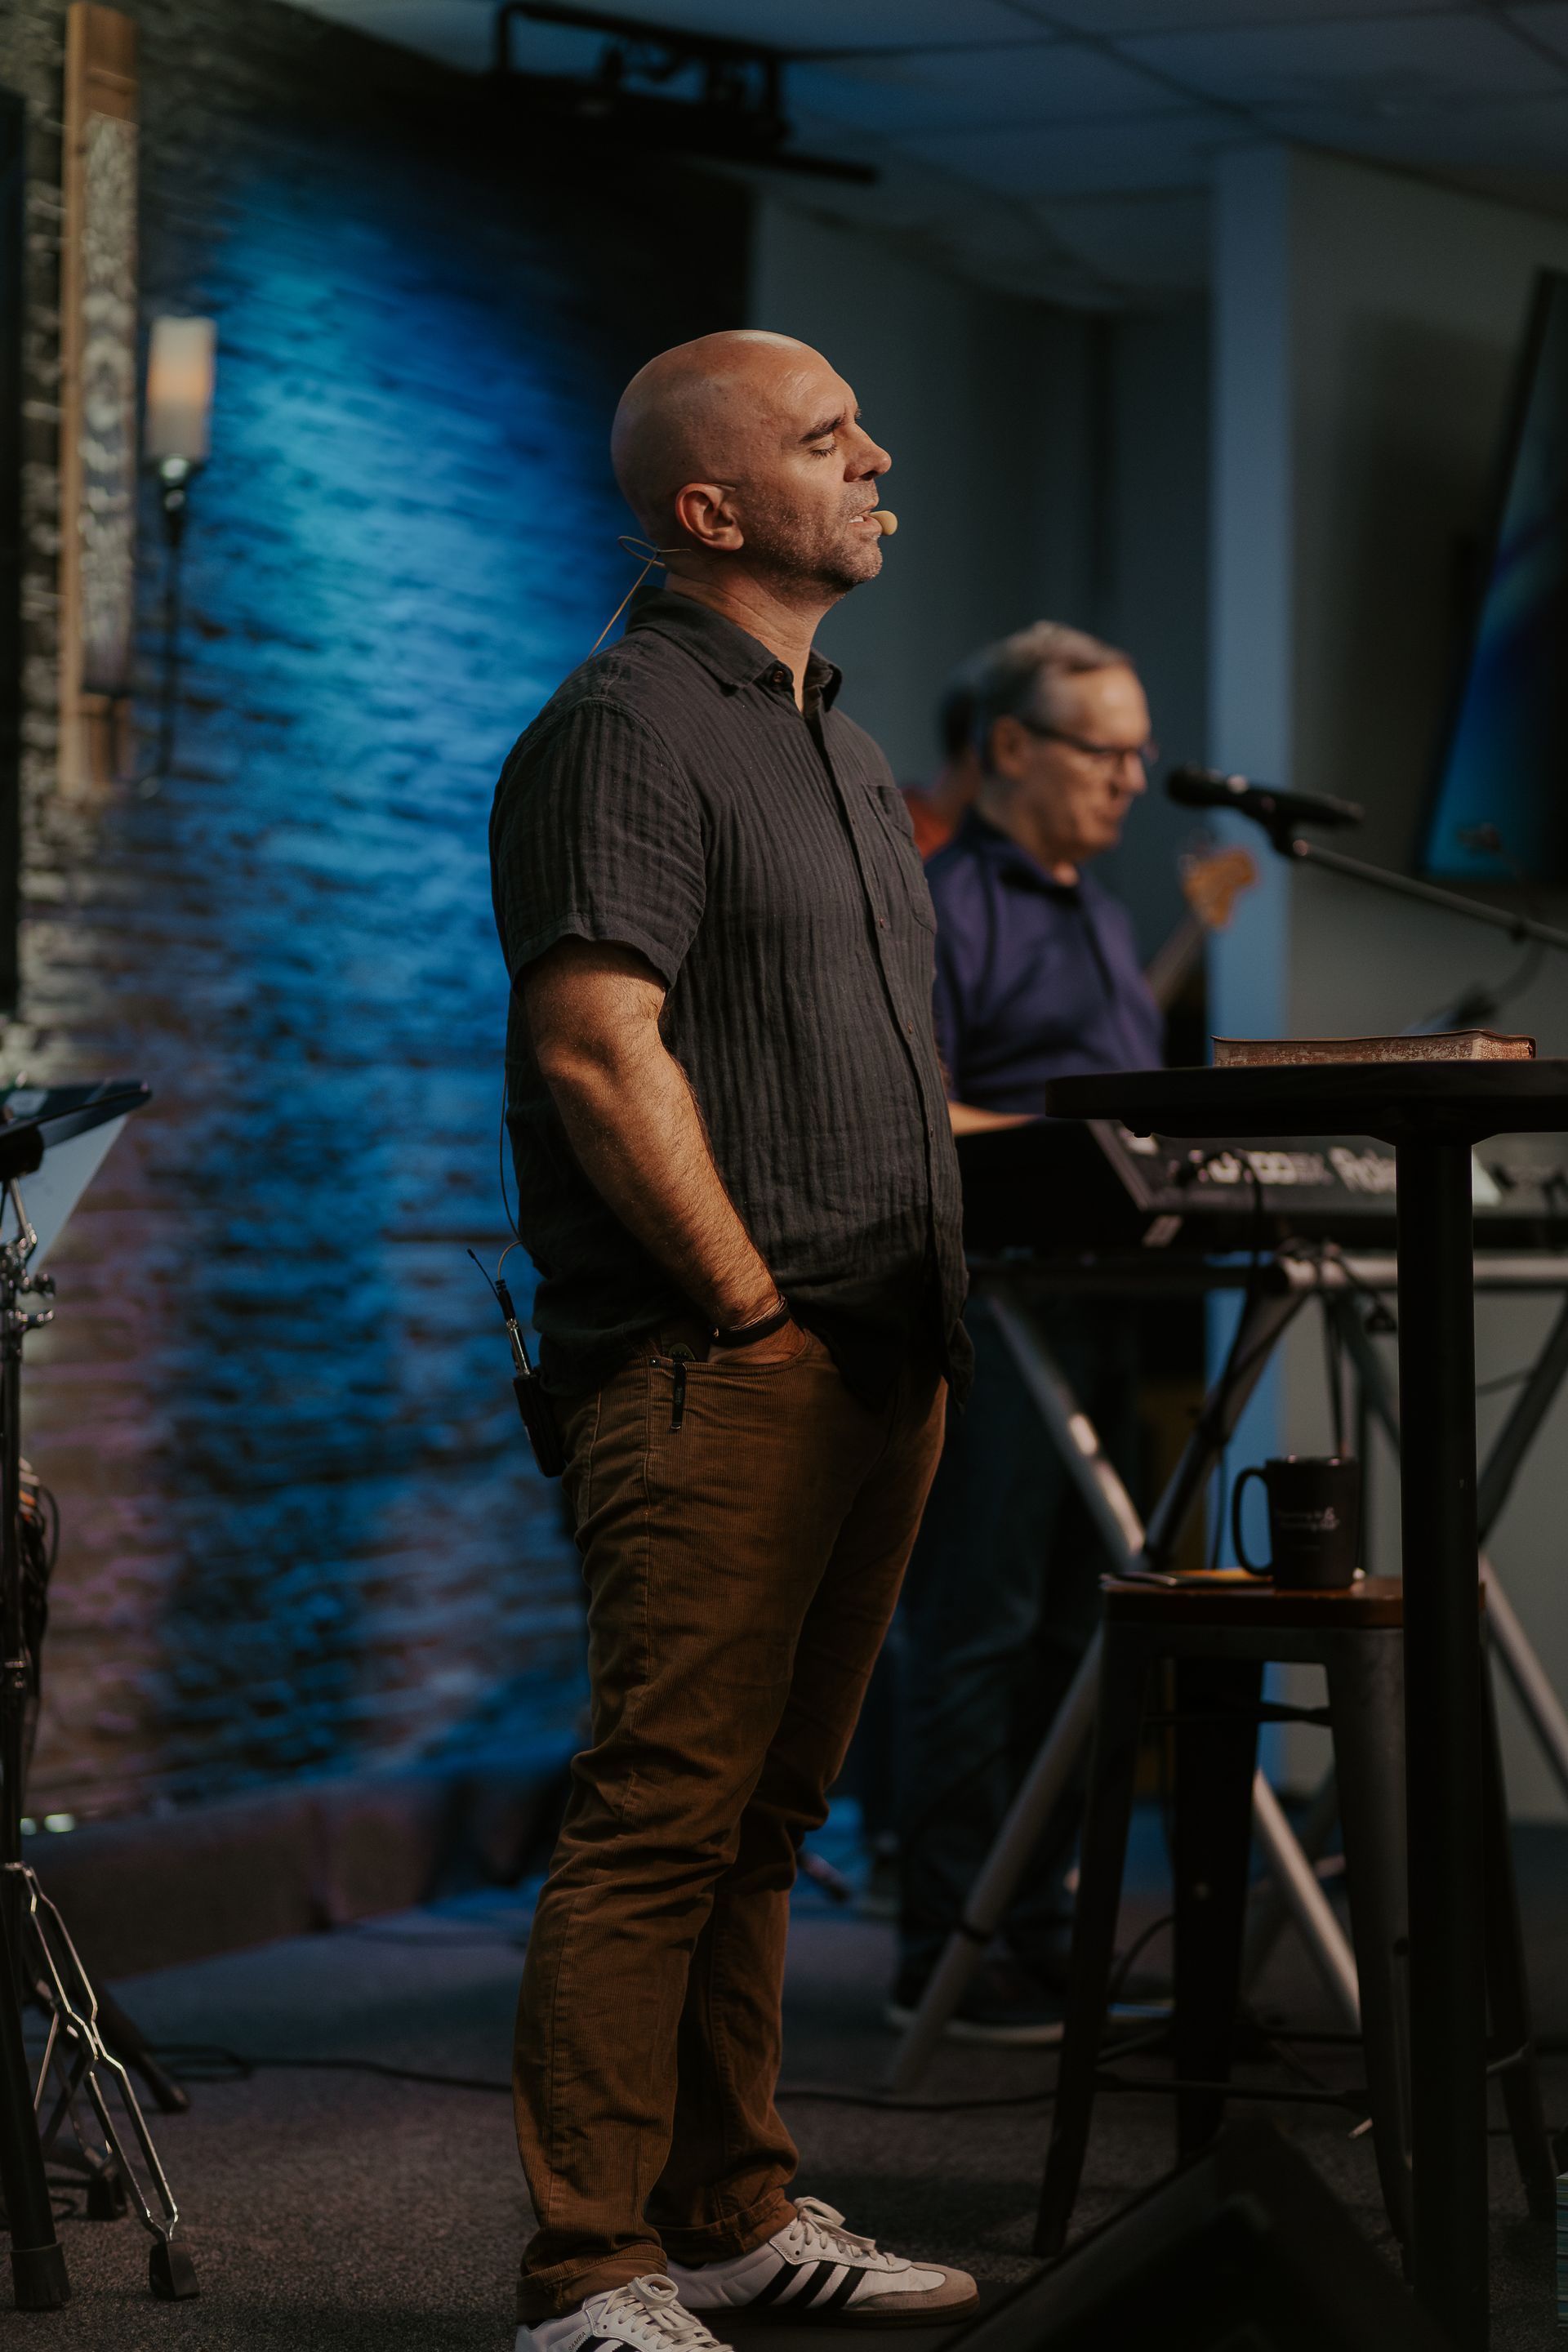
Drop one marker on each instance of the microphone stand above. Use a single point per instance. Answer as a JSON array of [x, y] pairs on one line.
[[1520, 927]]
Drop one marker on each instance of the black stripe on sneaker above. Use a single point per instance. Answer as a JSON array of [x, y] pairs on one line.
[[840, 2295], [786, 2275]]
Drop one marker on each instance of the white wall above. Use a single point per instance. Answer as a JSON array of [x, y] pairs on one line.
[[1365, 329], [957, 384], [1045, 463]]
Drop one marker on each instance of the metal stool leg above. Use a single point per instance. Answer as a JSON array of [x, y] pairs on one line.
[[1102, 1852], [1508, 1989], [1366, 1700], [1216, 1748]]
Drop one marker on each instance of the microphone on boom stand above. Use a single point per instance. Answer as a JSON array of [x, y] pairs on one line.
[[1274, 810], [1278, 812]]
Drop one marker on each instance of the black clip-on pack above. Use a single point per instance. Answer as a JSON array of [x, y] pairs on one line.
[[532, 1397]]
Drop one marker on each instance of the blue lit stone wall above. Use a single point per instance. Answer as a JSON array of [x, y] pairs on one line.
[[300, 1532]]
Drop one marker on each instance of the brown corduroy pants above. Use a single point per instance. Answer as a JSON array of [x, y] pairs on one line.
[[742, 1546]]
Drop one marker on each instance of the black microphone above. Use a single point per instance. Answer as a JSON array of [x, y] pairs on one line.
[[1276, 810]]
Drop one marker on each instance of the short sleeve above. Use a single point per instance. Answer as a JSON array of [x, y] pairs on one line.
[[596, 835]]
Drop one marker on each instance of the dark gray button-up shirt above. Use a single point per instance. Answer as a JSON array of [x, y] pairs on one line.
[[671, 798]]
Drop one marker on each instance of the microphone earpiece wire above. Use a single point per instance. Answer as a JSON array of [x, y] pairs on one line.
[[651, 556]]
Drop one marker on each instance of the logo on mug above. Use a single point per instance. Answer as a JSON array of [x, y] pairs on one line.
[[1314, 1520]]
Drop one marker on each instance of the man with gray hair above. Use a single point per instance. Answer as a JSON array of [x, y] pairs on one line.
[[1038, 973]]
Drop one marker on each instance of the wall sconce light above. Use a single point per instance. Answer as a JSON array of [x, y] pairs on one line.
[[181, 368]]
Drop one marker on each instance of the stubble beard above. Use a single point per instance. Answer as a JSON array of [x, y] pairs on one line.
[[805, 557]]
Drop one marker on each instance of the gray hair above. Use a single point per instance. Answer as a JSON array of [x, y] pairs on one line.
[[1018, 676]]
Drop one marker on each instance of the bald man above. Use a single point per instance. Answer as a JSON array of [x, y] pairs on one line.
[[738, 1183]]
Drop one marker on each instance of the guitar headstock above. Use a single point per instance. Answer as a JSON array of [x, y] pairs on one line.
[[1212, 882]]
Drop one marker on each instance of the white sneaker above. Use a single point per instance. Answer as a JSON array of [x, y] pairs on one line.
[[814, 2268], [646, 2315]]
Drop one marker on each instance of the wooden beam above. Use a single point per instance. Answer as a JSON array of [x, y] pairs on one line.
[[98, 395]]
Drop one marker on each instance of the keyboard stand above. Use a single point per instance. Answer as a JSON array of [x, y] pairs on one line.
[[1133, 1549]]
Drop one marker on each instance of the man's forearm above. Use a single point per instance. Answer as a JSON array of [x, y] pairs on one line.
[[638, 1135], [965, 1118]]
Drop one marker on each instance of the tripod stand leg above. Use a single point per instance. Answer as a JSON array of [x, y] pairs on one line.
[[125, 2038], [37, 2258], [1000, 1873], [82, 2061]]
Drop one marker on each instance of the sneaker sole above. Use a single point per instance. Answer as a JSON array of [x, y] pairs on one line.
[[770, 2316], [1047, 2035]]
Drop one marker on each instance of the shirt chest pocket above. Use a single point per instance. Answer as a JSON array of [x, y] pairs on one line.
[[906, 886]]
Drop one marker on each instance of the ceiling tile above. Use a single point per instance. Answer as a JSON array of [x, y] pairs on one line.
[[1547, 24], [1144, 245], [1448, 60], [1527, 137], [1041, 82], [1163, 150]]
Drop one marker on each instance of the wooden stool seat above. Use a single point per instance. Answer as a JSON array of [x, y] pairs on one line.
[[1231, 1597]]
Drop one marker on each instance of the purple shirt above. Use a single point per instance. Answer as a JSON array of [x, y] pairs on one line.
[[1035, 979]]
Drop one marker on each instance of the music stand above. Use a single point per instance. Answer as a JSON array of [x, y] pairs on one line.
[[37, 2258], [53, 1141], [1433, 1113]]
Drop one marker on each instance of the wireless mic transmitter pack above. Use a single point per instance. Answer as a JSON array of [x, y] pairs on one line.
[[533, 1405]]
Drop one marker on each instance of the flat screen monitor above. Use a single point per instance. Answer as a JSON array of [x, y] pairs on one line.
[[1499, 809]]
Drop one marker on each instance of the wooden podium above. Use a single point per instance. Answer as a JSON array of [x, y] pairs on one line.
[[1433, 1113]]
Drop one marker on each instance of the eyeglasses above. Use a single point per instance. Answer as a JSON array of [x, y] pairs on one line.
[[1109, 755]]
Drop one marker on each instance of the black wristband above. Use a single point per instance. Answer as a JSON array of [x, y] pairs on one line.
[[746, 1333]]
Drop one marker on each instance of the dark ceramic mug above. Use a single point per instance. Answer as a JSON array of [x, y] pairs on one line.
[[1314, 1520]]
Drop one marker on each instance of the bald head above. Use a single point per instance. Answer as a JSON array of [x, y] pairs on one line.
[[745, 448], [693, 413]]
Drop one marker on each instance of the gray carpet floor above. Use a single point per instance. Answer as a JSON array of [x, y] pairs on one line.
[[344, 2212]]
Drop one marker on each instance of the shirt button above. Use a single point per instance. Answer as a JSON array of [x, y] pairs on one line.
[[881, 923], [779, 674]]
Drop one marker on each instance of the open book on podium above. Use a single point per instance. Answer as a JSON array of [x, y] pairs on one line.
[[76, 1129], [1317, 1052]]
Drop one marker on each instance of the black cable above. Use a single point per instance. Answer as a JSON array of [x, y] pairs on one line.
[[1334, 1364], [1380, 1319], [501, 1161], [461, 1938], [237, 2066], [1236, 1364], [827, 2095]]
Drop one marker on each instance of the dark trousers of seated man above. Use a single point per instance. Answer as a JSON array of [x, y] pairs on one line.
[[744, 1529], [1001, 1603]]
